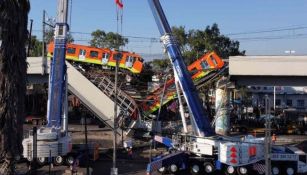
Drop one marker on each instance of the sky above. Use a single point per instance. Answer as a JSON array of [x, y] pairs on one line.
[[263, 27]]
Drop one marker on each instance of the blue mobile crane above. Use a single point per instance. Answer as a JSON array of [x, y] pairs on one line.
[[204, 152], [53, 141]]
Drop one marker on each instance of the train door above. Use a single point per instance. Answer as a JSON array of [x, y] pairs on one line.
[[105, 58], [130, 61], [82, 53]]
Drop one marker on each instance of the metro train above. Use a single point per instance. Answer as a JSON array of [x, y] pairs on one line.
[[101, 56]]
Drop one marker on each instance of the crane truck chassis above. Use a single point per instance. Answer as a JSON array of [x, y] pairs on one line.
[[204, 151], [207, 155]]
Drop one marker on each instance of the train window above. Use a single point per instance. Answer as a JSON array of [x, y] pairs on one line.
[[93, 54], [193, 71], [141, 59], [204, 65], [71, 50], [213, 60], [118, 56]]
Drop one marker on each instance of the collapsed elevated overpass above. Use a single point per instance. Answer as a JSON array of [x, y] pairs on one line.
[[96, 93]]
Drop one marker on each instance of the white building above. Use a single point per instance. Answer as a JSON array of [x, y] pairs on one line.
[[286, 97]]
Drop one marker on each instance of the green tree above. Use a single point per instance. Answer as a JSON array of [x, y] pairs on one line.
[[111, 40], [13, 71], [160, 65], [194, 43], [181, 37], [36, 47]]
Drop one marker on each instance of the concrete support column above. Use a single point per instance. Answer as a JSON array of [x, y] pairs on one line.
[[222, 100]]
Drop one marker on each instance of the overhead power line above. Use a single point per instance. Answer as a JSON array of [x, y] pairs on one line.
[[142, 39], [295, 36], [267, 31]]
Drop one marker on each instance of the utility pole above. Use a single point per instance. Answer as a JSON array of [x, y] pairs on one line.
[[86, 145], [114, 170], [267, 137], [44, 60], [30, 37], [34, 160]]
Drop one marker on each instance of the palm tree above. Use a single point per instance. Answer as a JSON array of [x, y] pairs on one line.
[[13, 72]]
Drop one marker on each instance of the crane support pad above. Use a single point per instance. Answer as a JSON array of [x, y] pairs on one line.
[[178, 158]]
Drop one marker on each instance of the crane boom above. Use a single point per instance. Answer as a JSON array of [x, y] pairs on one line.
[[199, 117], [58, 75]]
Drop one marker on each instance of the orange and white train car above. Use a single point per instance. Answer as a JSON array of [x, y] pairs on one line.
[[101, 56]]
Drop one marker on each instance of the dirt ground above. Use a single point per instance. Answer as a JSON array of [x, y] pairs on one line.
[[127, 165]]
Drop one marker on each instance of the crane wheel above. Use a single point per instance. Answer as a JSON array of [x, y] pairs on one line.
[[230, 170], [275, 170], [58, 160], [162, 170], [41, 160], [242, 170], [208, 168], [290, 171], [70, 160], [173, 168], [196, 169]]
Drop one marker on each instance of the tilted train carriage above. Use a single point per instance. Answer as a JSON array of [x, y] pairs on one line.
[[101, 56]]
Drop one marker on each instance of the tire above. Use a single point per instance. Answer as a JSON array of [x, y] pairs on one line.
[[173, 168], [276, 170], [196, 169], [208, 168], [69, 160], [41, 160], [289, 171], [230, 170], [58, 160], [162, 170], [242, 170]]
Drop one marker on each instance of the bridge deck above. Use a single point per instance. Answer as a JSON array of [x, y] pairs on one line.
[[269, 70]]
